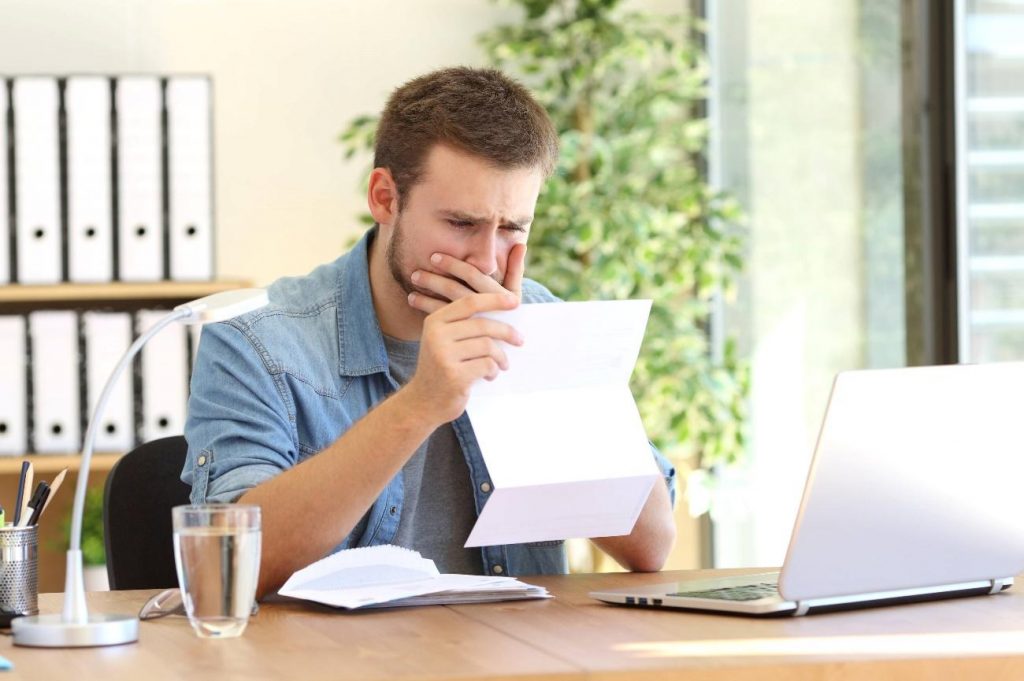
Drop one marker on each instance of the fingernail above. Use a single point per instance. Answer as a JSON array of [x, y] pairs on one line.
[[436, 258], [412, 297], [415, 276], [512, 299]]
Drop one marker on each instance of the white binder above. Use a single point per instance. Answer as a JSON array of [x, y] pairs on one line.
[[55, 385], [13, 386], [195, 333], [164, 378], [5, 226], [107, 337], [90, 223], [190, 180], [140, 256], [37, 179]]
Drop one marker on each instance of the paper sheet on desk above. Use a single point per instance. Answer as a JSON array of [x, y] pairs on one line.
[[559, 431], [390, 576]]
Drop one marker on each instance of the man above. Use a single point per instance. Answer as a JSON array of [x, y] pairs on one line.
[[339, 409]]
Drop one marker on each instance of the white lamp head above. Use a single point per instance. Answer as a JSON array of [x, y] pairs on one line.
[[223, 305]]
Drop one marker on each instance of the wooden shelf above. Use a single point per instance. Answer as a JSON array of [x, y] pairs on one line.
[[114, 291], [54, 463]]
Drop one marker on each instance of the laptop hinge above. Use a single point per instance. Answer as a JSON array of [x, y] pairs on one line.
[[801, 608], [997, 585]]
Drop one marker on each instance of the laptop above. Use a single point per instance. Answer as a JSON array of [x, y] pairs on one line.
[[914, 493]]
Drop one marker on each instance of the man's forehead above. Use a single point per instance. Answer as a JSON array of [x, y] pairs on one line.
[[476, 188]]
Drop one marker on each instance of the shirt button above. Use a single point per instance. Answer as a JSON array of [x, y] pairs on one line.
[[485, 487], [393, 510], [202, 460], [498, 569]]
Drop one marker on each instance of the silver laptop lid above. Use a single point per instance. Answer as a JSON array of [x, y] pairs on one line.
[[916, 481]]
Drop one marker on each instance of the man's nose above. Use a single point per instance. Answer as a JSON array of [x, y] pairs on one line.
[[483, 252]]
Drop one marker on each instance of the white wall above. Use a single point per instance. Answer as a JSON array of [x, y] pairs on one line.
[[288, 75]]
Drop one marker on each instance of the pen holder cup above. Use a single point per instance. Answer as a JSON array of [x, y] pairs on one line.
[[19, 572]]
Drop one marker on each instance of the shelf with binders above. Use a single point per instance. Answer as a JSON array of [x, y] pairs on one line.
[[105, 313], [16, 298], [55, 463]]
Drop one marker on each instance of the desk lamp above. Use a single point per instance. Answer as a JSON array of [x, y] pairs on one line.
[[75, 627]]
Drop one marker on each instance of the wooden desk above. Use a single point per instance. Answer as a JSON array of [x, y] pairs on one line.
[[569, 637]]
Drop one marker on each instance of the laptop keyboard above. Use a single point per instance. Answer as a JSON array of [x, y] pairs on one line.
[[746, 592]]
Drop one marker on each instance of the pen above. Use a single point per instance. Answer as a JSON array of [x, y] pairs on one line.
[[39, 502], [29, 482], [21, 492], [35, 505], [54, 486]]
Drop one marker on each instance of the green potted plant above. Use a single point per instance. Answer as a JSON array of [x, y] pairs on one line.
[[628, 212]]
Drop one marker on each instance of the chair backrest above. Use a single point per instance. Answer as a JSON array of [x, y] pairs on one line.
[[141, 489]]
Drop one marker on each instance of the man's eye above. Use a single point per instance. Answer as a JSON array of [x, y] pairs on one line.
[[461, 224]]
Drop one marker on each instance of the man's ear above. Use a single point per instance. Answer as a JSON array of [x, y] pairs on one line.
[[382, 196]]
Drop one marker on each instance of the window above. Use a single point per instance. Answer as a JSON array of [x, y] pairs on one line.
[[806, 113], [989, 94]]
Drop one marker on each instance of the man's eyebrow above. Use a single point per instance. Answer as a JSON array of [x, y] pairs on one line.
[[463, 216], [521, 222]]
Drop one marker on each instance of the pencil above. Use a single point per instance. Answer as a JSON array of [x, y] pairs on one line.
[[54, 486]]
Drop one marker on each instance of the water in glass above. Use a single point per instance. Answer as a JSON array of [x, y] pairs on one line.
[[218, 566]]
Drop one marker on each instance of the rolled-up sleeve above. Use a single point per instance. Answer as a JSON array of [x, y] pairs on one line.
[[240, 431]]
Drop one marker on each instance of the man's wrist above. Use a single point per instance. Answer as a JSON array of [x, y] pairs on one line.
[[414, 409]]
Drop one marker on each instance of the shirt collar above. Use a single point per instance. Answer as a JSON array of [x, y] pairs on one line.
[[361, 348]]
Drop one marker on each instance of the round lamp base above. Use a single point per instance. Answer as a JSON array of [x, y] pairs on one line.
[[50, 631]]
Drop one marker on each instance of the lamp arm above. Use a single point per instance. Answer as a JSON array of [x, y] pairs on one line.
[[75, 611], [97, 416]]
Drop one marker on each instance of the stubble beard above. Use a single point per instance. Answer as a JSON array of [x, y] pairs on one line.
[[393, 254]]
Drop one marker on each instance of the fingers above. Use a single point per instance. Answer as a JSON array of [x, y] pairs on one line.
[[481, 327], [478, 348], [474, 278], [464, 308], [475, 328], [445, 287], [461, 280], [493, 303], [425, 303], [514, 270], [485, 368]]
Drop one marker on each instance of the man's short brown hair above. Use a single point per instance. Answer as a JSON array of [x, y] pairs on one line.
[[482, 112]]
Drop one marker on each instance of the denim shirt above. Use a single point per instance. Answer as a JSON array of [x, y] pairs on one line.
[[274, 387]]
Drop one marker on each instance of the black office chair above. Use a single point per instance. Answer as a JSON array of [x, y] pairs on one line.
[[141, 489]]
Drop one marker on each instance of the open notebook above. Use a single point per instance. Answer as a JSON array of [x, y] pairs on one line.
[[391, 576]]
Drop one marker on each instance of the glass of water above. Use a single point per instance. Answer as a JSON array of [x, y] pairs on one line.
[[217, 554]]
